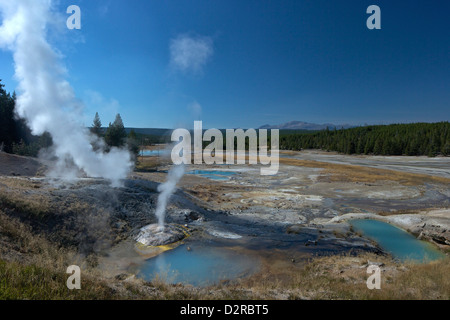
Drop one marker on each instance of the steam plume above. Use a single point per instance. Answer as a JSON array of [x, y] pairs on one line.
[[166, 190], [46, 100]]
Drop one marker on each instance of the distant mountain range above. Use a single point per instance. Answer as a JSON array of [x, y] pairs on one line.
[[301, 125], [292, 125]]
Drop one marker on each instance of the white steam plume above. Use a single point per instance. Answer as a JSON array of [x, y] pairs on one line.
[[46, 100], [166, 190]]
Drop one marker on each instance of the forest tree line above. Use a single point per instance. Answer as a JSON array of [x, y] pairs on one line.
[[414, 139]]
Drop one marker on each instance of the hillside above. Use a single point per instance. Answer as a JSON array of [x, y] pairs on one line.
[[14, 165]]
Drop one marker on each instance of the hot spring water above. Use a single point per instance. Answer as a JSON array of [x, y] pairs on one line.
[[398, 242], [214, 174], [154, 153], [198, 266]]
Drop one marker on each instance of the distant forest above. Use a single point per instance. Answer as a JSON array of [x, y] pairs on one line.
[[430, 139]]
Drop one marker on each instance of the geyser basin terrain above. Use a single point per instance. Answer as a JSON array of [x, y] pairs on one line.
[[278, 219]]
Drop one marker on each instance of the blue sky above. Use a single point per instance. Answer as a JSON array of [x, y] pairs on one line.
[[243, 63]]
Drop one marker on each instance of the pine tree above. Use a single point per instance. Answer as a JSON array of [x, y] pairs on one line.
[[97, 125], [115, 134]]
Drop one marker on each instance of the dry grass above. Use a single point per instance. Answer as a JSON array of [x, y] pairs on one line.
[[352, 173], [31, 281], [146, 164], [397, 212], [345, 276], [23, 195], [32, 267]]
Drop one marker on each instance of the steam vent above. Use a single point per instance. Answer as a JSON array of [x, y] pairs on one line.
[[154, 236]]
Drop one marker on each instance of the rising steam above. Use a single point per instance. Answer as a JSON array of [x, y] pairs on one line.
[[166, 190], [46, 100]]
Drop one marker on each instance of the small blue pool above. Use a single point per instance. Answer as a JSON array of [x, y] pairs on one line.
[[214, 174], [154, 153], [398, 242], [199, 266]]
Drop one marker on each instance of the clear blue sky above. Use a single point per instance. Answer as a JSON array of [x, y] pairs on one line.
[[246, 63]]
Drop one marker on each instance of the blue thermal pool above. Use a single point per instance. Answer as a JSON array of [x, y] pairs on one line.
[[199, 266], [401, 244], [214, 174], [154, 153]]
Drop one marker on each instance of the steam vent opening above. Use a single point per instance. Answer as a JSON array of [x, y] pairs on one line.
[[154, 235]]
